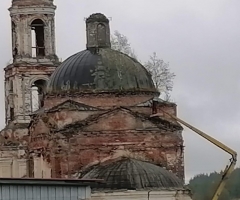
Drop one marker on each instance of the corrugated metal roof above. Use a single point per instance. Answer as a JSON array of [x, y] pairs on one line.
[[59, 182], [33, 192]]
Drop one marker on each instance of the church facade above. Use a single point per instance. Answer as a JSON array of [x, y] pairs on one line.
[[91, 116]]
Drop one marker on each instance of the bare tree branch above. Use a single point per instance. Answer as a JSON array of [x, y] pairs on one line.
[[120, 43], [160, 71], [161, 75]]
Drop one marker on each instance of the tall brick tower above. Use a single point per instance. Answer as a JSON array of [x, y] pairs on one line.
[[34, 58]]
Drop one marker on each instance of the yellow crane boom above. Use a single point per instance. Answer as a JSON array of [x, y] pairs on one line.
[[228, 170]]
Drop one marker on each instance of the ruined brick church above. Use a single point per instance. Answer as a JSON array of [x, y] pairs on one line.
[[91, 116]]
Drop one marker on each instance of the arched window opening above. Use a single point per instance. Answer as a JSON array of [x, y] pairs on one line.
[[14, 40], [101, 34], [38, 90], [37, 30]]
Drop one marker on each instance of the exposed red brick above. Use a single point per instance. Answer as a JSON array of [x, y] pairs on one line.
[[120, 132]]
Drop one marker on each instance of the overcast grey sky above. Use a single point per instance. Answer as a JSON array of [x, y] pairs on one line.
[[199, 38]]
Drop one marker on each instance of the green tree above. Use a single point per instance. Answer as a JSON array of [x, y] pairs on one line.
[[203, 186], [233, 185]]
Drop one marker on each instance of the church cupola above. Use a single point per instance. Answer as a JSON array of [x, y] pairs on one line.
[[98, 31]]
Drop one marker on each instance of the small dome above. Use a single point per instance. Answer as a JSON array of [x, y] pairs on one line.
[[106, 70], [132, 174]]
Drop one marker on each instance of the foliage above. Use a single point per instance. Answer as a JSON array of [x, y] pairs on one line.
[[203, 186], [160, 71]]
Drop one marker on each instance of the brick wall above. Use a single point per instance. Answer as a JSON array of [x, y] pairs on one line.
[[100, 100], [72, 140], [85, 149]]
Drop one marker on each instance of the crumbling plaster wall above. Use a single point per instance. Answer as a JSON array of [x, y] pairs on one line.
[[13, 151], [21, 78], [42, 169], [14, 136], [89, 148], [21, 74], [64, 117], [18, 81], [25, 68], [22, 17], [13, 167], [114, 134], [14, 163], [99, 100]]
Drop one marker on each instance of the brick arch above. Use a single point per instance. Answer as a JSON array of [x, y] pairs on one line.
[[37, 78], [42, 18], [38, 86]]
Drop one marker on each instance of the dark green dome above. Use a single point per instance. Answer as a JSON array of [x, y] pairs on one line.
[[100, 70], [128, 173]]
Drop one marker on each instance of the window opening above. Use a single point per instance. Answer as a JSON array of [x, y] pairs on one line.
[[101, 34], [11, 86], [37, 31], [11, 114], [14, 40], [38, 90]]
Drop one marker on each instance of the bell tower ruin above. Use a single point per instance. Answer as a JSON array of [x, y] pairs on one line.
[[34, 58]]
